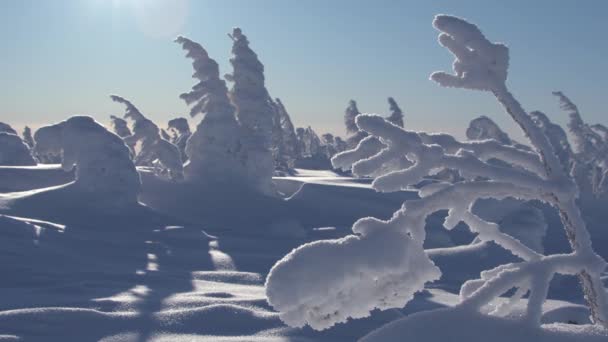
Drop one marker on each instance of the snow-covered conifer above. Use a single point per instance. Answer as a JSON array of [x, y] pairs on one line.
[[27, 137], [482, 128], [215, 149], [354, 134], [396, 116], [120, 126], [180, 134], [253, 111], [154, 151]]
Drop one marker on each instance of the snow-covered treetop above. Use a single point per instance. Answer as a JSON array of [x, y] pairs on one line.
[[483, 128], [180, 125], [209, 95], [350, 114], [120, 127], [586, 140], [143, 128], [27, 136], [396, 116], [131, 112], [7, 128]]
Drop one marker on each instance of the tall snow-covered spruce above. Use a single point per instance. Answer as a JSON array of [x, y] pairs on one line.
[[383, 264], [396, 116], [254, 111], [215, 150]]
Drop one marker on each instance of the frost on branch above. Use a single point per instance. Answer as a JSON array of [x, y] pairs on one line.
[[379, 269], [482, 65], [103, 164], [253, 111], [215, 148], [539, 175], [155, 151]]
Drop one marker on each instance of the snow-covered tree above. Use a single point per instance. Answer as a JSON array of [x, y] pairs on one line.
[[482, 128], [369, 270], [354, 135], [284, 135], [27, 137], [6, 128], [14, 152], [104, 168], [215, 150], [180, 133], [396, 116], [253, 111], [120, 126], [154, 151]]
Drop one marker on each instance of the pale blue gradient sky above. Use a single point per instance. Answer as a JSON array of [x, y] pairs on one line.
[[65, 57]]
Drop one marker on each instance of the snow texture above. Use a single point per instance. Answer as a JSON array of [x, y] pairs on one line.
[[104, 168], [380, 269]]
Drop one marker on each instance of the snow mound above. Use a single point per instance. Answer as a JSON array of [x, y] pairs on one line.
[[461, 325], [352, 276]]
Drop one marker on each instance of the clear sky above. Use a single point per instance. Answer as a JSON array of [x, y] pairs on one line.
[[64, 57]]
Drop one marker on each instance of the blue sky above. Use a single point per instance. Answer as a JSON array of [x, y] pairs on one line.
[[65, 57]]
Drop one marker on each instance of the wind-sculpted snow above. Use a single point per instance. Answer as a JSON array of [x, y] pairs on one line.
[[102, 160], [14, 151], [326, 282], [155, 151], [539, 175]]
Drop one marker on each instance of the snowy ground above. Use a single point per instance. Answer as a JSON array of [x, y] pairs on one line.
[[195, 272]]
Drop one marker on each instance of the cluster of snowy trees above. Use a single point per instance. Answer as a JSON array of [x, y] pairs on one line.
[[383, 263]]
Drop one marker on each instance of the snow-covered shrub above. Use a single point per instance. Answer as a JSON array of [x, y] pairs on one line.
[[14, 152], [155, 151], [180, 133], [104, 168], [254, 111], [539, 175], [215, 149]]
